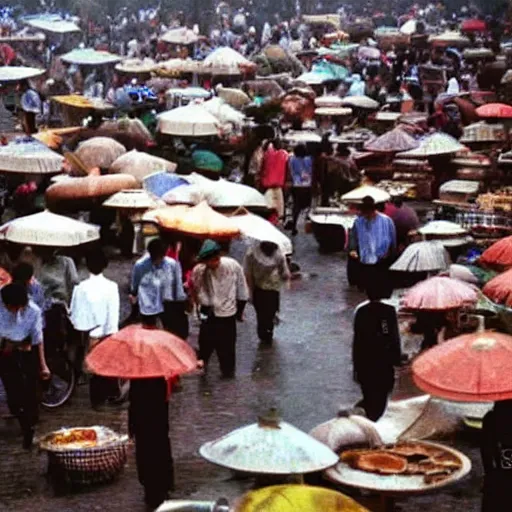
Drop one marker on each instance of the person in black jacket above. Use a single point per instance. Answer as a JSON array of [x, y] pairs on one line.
[[496, 451], [376, 350]]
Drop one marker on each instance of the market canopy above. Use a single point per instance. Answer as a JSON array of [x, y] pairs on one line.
[[136, 66], [449, 38], [469, 368], [49, 229], [189, 121], [361, 102], [434, 145], [226, 57], [393, 141], [17, 73], [181, 36], [90, 57], [56, 26], [427, 256], [31, 157], [358, 194]]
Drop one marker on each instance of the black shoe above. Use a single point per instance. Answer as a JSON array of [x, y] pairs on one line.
[[28, 439], [154, 500]]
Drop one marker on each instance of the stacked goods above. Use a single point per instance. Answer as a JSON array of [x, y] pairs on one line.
[[398, 188], [483, 132], [499, 200], [417, 172], [458, 191]]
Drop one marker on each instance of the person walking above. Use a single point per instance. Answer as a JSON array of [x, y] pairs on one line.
[[375, 351], [301, 175], [266, 270], [221, 292], [94, 312], [31, 106], [22, 359], [273, 176], [496, 452], [372, 245], [157, 286]]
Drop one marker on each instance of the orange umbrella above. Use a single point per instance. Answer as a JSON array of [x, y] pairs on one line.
[[495, 111], [470, 368], [199, 221], [499, 253], [139, 352], [439, 294], [499, 289]]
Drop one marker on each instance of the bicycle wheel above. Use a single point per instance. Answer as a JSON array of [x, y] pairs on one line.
[[61, 385]]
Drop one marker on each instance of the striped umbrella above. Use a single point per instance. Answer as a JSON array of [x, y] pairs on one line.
[[426, 256], [499, 289], [499, 254]]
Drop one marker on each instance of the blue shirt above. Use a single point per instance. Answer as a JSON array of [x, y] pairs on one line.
[[155, 284], [26, 323], [301, 170], [373, 239]]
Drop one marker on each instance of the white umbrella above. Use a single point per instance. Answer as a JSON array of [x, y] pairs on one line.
[[49, 229], [181, 35], [29, 158], [139, 164], [131, 199], [256, 228], [226, 194], [56, 26], [302, 137], [90, 57], [333, 111], [328, 101], [361, 102], [226, 57], [184, 194], [409, 27], [436, 144], [236, 98], [269, 446], [359, 193], [17, 73], [442, 228], [223, 112], [99, 152], [190, 121], [428, 256], [134, 66]]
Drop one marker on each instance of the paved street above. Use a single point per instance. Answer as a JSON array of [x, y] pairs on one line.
[[306, 375]]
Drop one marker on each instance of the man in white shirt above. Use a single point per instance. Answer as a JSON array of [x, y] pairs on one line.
[[221, 291], [95, 310]]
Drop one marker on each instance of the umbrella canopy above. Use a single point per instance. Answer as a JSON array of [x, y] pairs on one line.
[[359, 193], [436, 144], [394, 141], [477, 53], [361, 102], [181, 35], [428, 256], [236, 98], [189, 121], [368, 52], [29, 158], [442, 228], [99, 152], [499, 289], [17, 73], [302, 137], [139, 165], [499, 253], [440, 294], [136, 66], [296, 498], [473, 25], [186, 194], [328, 101], [131, 199], [199, 221], [333, 111], [223, 112], [253, 227], [269, 446], [48, 229], [226, 57], [139, 352], [495, 111], [159, 183], [409, 27], [54, 26], [470, 368], [90, 57], [449, 38], [207, 161], [226, 194]]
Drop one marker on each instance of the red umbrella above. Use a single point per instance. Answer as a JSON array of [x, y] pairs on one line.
[[495, 111], [439, 294], [473, 25], [499, 289], [499, 253], [470, 368], [139, 352]]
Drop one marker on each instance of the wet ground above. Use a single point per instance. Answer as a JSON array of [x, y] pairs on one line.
[[306, 375]]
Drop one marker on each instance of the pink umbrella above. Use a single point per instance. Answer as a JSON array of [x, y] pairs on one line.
[[499, 289], [439, 294]]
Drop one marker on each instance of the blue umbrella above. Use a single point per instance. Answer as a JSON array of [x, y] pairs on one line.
[[159, 183]]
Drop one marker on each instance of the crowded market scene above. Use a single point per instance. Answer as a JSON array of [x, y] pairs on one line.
[[256, 257]]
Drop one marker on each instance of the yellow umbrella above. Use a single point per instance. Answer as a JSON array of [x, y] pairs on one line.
[[297, 498]]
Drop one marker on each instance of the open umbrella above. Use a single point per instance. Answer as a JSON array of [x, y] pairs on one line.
[[497, 112], [469, 368], [433, 145], [139, 165], [299, 136], [361, 102], [439, 294], [90, 57], [224, 112], [234, 97], [198, 221], [29, 158], [99, 152], [450, 234], [270, 446], [131, 199], [186, 194], [159, 183], [499, 289], [333, 111], [253, 227], [17, 73], [189, 121], [359, 193], [449, 38], [296, 498], [473, 25], [207, 161], [329, 100], [181, 36], [136, 66], [499, 253], [226, 57], [409, 27], [139, 352], [226, 194], [428, 256], [48, 229], [394, 141]]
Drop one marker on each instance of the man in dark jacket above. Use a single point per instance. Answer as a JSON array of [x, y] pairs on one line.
[[376, 350]]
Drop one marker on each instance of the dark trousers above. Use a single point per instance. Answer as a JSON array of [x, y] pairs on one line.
[[266, 304], [377, 273], [375, 391], [20, 377], [173, 318], [219, 335]]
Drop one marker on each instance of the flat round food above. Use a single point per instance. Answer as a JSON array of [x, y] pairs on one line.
[[447, 460], [409, 450], [380, 461]]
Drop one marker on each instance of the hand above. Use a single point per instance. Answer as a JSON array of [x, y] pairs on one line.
[[353, 255], [45, 372], [240, 317], [132, 299]]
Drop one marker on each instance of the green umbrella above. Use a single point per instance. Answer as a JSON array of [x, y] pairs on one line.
[[207, 161]]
